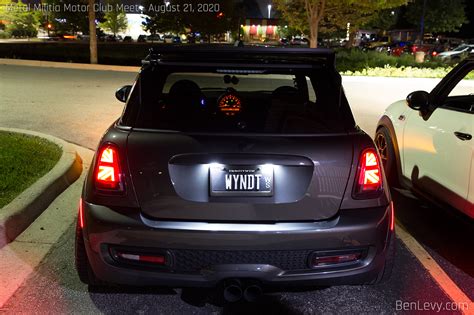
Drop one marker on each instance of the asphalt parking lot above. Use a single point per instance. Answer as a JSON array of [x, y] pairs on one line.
[[78, 105]]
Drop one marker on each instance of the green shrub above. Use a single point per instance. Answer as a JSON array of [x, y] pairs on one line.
[[404, 72], [358, 60], [4, 35]]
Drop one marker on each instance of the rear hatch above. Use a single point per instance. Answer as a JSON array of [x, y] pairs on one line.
[[214, 178], [226, 139]]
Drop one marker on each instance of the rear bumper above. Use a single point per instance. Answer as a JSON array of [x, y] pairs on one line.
[[365, 229]]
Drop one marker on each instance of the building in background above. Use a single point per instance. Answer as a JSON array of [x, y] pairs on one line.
[[261, 23]]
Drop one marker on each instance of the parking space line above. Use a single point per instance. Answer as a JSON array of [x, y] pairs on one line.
[[436, 272]]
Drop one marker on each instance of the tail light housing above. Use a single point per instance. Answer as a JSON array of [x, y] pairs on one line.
[[368, 182], [108, 175]]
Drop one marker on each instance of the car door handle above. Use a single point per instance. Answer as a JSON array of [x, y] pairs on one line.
[[463, 136]]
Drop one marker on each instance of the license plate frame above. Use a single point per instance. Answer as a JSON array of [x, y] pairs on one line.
[[241, 180]]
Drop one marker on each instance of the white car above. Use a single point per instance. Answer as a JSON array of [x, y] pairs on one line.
[[426, 142], [457, 54]]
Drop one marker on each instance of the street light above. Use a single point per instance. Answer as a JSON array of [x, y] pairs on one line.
[[167, 3], [269, 10]]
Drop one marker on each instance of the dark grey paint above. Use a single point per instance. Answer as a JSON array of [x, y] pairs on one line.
[[170, 173]]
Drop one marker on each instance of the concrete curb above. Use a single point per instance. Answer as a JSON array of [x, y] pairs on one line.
[[66, 65], [16, 216]]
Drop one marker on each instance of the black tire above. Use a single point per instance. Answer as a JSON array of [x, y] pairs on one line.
[[386, 272], [83, 267], [384, 144]]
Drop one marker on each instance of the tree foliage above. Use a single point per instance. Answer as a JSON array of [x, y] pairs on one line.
[[313, 16], [115, 21], [69, 21], [207, 23], [440, 15], [19, 21]]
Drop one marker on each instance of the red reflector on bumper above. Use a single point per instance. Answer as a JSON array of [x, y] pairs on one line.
[[319, 261], [160, 260]]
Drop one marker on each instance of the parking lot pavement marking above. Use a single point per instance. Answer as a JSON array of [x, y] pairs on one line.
[[20, 258], [436, 272]]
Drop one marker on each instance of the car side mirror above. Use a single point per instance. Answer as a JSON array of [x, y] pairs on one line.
[[418, 100], [122, 93]]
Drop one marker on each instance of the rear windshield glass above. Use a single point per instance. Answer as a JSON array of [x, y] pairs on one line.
[[238, 102]]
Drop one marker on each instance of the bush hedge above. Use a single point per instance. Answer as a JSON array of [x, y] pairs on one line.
[[358, 60]]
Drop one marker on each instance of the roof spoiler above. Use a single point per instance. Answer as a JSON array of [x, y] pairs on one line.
[[231, 54]]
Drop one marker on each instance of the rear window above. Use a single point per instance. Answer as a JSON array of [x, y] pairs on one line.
[[215, 102]]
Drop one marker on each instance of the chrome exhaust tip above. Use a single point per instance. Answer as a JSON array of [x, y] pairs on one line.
[[233, 291], [252, 293]]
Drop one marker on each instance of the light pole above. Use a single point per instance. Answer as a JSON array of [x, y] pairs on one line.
[[269, 7]]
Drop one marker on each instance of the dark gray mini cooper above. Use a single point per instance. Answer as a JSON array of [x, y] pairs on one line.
[[235, 167]]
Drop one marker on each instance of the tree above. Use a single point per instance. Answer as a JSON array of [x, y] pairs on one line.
[[65, 21], [359, 13], [162, 22], [19, 20], [383, 20], [92, 33], [303, 15], [224, 16], [215, 22], [310, 16], [440, 15], [115, 19]]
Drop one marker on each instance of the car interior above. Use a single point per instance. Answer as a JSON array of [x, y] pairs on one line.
[[186, 106]]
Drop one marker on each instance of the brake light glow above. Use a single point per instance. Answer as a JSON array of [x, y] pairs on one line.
[[81, 214], [108, 169], [392, 217], [369, 180]]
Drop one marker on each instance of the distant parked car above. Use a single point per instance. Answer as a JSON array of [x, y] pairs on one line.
[[168, 39], [299, 41], [141, 39], [400, 48], [457, 54], [66, 36], [154, 38], [127, 39], [378, 42], [112, 38], [83, 37], [284, 41]]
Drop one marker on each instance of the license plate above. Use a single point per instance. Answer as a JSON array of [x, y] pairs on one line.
[[241, 180]]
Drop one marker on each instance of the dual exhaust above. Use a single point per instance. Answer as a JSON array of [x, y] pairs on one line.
[[234, 291]]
